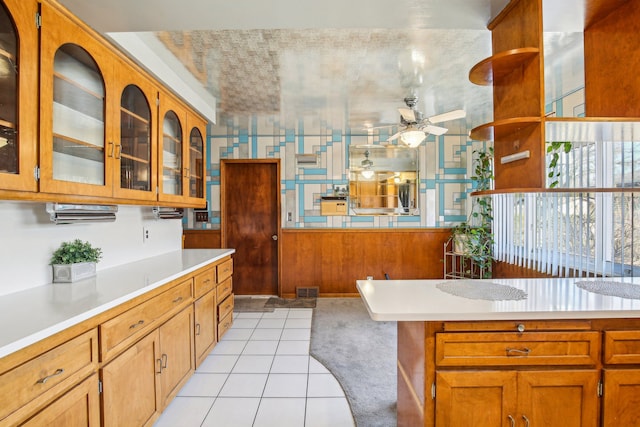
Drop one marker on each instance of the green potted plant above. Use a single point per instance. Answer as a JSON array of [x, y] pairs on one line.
[[74, 260], [474, 237]]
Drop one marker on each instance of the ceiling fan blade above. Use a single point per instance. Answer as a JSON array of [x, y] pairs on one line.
[[408, 114], [451, 115], [434, 130], [395, 136]]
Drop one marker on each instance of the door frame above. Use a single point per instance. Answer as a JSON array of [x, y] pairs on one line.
[[223, 213]]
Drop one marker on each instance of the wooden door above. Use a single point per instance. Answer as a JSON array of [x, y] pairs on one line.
[[79, 407], [133, 373], [475, 399], [559, 398], [175, 353], [621, 402], [250, 217]]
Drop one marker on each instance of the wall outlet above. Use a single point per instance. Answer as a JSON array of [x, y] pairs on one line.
[[145, 234]]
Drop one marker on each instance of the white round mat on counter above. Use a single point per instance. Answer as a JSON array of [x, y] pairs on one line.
[[481, 290], [611, 288]]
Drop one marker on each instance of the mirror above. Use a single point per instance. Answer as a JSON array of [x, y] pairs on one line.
[[383, 180]]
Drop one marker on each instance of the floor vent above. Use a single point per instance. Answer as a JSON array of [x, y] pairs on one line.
[[307, 292]]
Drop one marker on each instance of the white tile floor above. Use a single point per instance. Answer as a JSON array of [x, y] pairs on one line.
[[261, 374]]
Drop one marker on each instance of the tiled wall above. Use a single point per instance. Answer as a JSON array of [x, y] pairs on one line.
[[444, 162]]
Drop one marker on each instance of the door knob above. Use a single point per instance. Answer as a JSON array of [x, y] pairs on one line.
[[274, 237]]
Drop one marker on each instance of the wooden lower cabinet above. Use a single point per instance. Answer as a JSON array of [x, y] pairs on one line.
[[621, 399], [564, 398], [129, 393], [79, 407], [205, 326], [176, 354]]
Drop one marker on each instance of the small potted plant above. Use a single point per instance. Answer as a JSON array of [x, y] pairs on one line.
[[74, 260]]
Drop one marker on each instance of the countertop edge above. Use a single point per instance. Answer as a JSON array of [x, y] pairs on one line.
[[35, 336]]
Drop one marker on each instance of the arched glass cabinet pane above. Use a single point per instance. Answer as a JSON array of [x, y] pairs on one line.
[[78, 117], [171, 154], [196, 166], [134, 149], [8, 93]]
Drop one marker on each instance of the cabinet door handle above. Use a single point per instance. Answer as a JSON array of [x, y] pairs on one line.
[[512, 420], [135, 325], [165, 359], [526, 420], [55, 374], [159, 366], [518, 352], [177, 300], [111, 149], [118, 151], [197, 328]]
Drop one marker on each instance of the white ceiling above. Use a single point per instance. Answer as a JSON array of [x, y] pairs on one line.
[[349, 63]]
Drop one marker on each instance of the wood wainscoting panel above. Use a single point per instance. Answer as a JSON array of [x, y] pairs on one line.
[[333, 259], [201, 239]]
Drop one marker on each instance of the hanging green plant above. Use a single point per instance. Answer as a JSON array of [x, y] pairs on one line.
[[554, 149]]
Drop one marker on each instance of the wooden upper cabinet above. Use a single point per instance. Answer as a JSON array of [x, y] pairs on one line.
[[181, 153], [76, 133], [197, 155], [135, 153], [18, 78]]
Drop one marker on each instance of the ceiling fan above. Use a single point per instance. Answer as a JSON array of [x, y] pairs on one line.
[[417, 127]]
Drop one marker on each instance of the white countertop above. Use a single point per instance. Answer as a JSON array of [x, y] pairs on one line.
[[34, 314], [421, 300]]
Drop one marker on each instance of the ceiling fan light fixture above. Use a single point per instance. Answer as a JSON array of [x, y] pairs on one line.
[[413, 137]]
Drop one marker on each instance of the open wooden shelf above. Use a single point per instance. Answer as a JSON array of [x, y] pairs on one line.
[[500, 64], [486, 131]]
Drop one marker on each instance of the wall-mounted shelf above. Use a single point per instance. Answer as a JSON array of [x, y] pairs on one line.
[[500, 64], [486, 131]]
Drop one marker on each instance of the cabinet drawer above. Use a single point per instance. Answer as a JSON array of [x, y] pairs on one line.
[[138, 320], [224, 325], [621, 347], [204, 282], [224, 269], [225, 307], [224, 289], [54, 371], [515, 349]]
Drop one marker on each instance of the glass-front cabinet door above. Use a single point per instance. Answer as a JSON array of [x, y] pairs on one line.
[[75, 155], [18, 78], [171, 153], [197, 154], [134, 150]]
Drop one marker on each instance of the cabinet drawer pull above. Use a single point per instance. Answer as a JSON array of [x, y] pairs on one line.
[[55, 374], [135, 325], [512, 420], [518, 352], [177, 300], [206, 280]]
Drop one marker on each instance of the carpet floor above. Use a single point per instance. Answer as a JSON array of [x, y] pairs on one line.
[[361, 353]]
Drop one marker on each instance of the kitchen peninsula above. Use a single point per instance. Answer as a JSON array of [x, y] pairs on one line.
[[513, 352], [75, 353]]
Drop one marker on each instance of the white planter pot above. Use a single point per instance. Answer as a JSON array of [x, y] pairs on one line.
[[64, 273], [460, 243]]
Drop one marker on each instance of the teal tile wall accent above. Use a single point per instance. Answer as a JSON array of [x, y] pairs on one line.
[[444, 161]]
